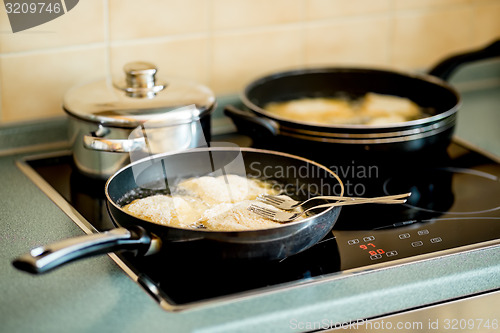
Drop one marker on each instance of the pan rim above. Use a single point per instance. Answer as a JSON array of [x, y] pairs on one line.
[[216, 232], [294, 72], [375, 138]]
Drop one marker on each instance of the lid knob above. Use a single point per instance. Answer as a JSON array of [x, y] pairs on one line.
[[140, 81]]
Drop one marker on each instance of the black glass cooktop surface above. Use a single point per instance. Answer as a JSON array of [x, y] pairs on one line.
[[455, 202]]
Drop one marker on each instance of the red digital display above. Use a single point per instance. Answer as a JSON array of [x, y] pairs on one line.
[[378, 251], [371, 247], [365, 247]]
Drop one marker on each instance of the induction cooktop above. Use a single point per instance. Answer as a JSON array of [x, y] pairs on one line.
[[454, 207]]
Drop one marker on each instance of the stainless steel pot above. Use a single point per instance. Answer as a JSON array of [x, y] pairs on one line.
[[114, 122]]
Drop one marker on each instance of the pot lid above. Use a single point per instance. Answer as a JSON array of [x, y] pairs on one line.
[[138, 98]]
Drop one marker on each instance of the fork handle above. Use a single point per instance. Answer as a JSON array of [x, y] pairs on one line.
[[379, 200], [329, 197]]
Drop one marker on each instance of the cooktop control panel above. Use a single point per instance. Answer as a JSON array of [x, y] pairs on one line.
[[358, 249]]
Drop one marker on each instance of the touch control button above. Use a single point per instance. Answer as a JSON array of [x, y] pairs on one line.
[[423, 232], [353, 241], [436, 240], [416, 244], [392, 253], [375, 256], [368, 239], [404, 236]]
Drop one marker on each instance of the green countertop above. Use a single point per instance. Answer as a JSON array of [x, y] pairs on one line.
[[94, 295]]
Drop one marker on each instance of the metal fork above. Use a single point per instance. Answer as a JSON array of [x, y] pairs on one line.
[[286, 203], [285, 217]]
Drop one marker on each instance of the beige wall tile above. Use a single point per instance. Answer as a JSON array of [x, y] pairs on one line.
[[486, 23], [240, 57], [361, 42], [182, 58], [423, 38], [419, 4], [131, 19], [227, 43], [81, 25], [320, 9], [250, 13], [33, 85]]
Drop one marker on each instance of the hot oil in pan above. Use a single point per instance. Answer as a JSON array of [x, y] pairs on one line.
[[207, 198], [140, 193], [369, 109]]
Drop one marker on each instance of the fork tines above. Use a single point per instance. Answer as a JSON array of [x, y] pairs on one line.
[[270, 198], [262, 211]]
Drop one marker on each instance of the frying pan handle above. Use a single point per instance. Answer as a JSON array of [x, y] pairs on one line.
[[252, 125], [445, 68], [45, 258]]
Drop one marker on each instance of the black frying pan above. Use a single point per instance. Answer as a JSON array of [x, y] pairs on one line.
[[428, 91], [153, 175]]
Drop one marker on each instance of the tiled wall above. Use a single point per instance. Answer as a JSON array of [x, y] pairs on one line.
[[226, 43]]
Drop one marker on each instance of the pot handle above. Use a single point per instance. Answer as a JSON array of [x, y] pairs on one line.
[[445, 68], [249, 124], [113, 145], [45, 258]]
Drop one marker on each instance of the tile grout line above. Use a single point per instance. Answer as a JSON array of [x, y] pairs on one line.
[[52, 50], [167, 38], [303, 35], [209, 32], [391, 37], [107, 44], [210, 41]]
